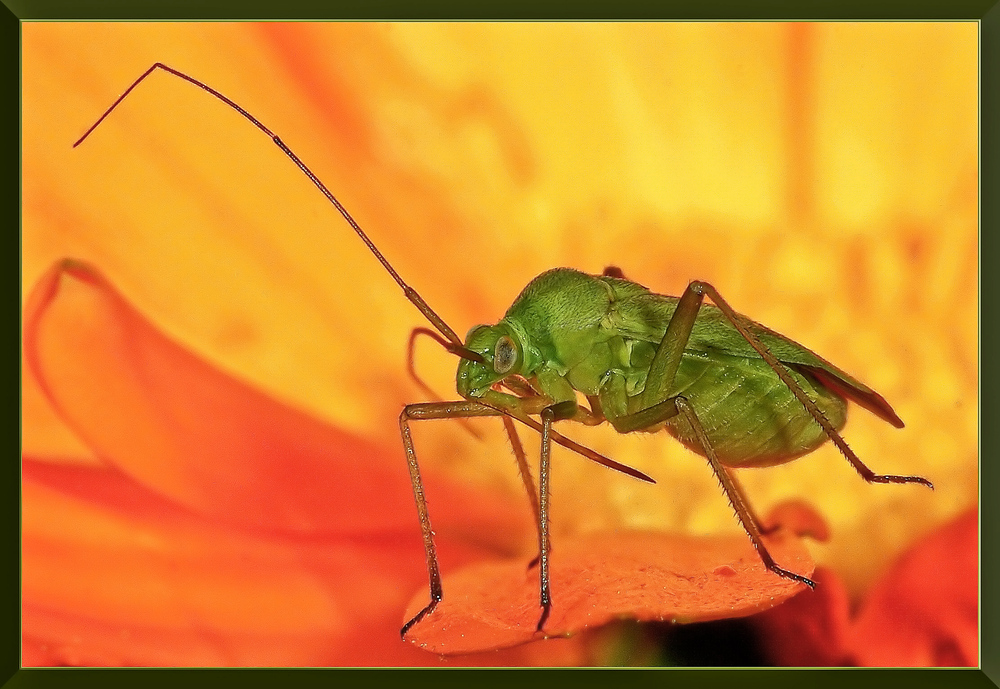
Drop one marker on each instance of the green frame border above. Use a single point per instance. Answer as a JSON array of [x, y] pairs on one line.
[[16, 11], [491, 10]]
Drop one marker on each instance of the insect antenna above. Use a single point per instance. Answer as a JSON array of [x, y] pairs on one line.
[[451, 341], [408, 291], [457, 350], [452, 348]]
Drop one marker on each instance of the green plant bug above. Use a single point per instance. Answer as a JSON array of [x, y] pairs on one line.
[[726, 387]]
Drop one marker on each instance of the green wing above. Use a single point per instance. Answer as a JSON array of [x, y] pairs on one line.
[[644, 316]]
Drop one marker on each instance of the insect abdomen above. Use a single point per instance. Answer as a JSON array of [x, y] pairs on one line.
[[750, 415]]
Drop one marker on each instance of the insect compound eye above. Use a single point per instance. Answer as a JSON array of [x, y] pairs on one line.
[[504, 355]]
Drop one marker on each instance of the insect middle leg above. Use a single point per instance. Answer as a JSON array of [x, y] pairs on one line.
[[659, 402], [522, 464], [678, 404], [736, 496], [529, 484]]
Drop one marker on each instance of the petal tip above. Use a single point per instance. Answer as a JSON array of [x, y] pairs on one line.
[[800, 518], [79, 269]]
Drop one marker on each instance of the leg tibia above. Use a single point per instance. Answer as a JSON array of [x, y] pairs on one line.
[[734, 492]]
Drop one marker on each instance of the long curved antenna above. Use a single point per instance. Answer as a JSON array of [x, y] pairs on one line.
[[455, 346], [408, 291], [411, 366], [451, 348]]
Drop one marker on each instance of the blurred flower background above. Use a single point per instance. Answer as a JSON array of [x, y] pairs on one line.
[[823, 176]]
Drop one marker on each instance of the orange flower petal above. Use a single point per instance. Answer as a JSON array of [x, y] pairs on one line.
[[205, 439], [130, 562], [375, 643], [597, 579], [114, 574], [306, 556], [925, 610]]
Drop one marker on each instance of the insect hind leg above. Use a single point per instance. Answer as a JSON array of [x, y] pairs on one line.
[[782, 373]]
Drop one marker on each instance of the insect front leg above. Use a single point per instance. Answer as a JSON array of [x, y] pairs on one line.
[[419, 412], [465, 409]]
